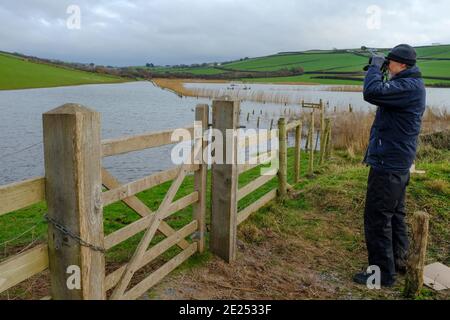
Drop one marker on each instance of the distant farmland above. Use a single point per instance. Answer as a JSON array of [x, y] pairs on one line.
[[324, 67], [17, 73]]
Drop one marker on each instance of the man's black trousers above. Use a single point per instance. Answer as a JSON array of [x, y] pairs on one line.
[[384, 221]]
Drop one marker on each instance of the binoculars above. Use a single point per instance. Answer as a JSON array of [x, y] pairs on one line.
[[384, 67]]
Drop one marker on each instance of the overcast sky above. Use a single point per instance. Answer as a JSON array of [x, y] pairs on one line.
[[133, 32]]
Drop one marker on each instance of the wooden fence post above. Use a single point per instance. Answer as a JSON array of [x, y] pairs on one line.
[[317, 140], [307, 141], [329, 146], [201, 115], [322, 125], [311, 147], [416, 260], [298, 151], [282, 172], [324, 141], [72, 150], [225, 184]]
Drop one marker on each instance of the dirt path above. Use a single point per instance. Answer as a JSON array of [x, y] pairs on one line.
[[275, 269]]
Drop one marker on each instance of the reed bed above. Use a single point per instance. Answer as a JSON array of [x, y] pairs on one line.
[[260, 96], [351, 131], [344, 89]]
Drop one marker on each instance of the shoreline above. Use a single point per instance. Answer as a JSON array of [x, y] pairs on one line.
[[68, 86]]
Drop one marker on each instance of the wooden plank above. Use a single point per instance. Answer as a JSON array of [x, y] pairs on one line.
[[201, 176], [113, 278], [20, 195], [298, 152], [244, 214], [254, 185], [312, 105], [224, 184], [23, 266], [329, 147], [128, 190], [293, 125], [282, 172], [140, 225], [160, 274], [311, 148], [72, 152], [124, 145], [417, 254], [253, 139], [324, 141], [152, 226], [137, 205], [110, 182], [260, 160]]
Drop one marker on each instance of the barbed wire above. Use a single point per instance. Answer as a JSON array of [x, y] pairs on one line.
[[20, 235], [58, 226], [21, 150]]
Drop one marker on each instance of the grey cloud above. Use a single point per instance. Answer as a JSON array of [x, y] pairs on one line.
[[126, 32]]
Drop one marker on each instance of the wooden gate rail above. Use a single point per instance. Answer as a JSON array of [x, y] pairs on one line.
[[113, 147], [113, 278], [20, 195], [25, 265], [130, 189], [72, 190], [138, 226], [258, 161], [254, 207], [151, 222]]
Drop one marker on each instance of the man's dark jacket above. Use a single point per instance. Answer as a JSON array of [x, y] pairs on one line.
[[395, 132]]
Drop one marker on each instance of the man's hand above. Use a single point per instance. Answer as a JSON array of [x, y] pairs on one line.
[[376, 60]]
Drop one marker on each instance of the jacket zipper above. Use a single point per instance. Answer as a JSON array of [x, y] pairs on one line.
[[380, 144]]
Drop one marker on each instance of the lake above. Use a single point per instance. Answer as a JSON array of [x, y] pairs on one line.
[[129, 109], [436, 97]]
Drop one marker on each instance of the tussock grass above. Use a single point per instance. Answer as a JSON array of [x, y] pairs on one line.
[[439, 186]]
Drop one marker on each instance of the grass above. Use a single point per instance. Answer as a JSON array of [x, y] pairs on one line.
[[25, 228], [309, 62], [325, 217], [16, 73], [315, 240]]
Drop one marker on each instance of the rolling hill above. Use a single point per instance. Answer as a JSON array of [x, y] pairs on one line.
[[18, 73], [327, 67]]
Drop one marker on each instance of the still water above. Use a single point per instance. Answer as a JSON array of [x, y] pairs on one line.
[[436, 97], [126, 109], [129, 109]]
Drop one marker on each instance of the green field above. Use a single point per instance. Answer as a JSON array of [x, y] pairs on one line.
[[331, 62], [434, 61], [17, 73]]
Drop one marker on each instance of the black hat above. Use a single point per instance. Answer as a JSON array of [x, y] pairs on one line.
[[404, 54]]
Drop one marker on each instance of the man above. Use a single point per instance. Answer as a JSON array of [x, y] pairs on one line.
[[391, 152]]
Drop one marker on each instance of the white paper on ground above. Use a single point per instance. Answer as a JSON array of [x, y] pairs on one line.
[[437, 276]]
